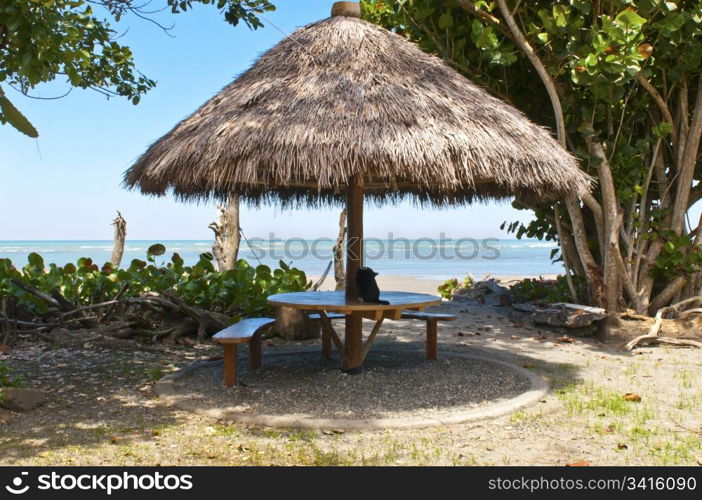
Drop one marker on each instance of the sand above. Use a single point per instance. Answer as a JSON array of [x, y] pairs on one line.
[[416, 284]]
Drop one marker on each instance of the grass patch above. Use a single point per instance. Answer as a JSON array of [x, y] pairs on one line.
[[588, 398], [7, 378], [154, 373]]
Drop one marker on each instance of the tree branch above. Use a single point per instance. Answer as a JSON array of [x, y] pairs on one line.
[[689, 159], [667, 115], [487, 17]]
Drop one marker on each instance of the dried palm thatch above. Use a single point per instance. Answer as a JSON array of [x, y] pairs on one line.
[[343, 96]]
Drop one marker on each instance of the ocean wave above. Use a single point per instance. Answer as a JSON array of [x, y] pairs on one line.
[[27, 250], [531, 245]]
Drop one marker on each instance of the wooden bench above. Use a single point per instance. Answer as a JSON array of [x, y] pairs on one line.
[[431, 319], [245, 331], [329, 315]]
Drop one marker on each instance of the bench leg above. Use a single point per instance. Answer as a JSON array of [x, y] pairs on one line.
[[326, 343], [255, 345], [229, 365], [431, 339]]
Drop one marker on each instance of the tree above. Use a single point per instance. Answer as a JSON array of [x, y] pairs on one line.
[[42, 40], [227, 234], [619, 81]]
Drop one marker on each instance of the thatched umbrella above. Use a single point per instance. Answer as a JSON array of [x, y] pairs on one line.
[[343, 108]]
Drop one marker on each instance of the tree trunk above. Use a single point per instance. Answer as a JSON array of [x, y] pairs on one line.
[[227, 236], [120, 235], [293, 324], [338, 251]]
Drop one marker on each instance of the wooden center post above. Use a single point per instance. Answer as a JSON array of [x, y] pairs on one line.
[[353, 335]]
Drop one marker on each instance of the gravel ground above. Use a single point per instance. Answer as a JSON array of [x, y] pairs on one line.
[[102, 409], [395, 384]]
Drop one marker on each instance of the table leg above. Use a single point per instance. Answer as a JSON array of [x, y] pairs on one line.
[[353, 344], [371, 338]]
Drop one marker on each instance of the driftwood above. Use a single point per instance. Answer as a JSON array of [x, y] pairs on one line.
[[653, 335], [208, 323], [338, 251], [227, 238], [320, 281], [119, 237], [487, 292], [563, 314], [138, 315], [37, 293]]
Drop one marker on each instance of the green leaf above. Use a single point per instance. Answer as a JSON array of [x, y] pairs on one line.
[[156, 250], [36, 260], [630, 19], [445, 20], [662, 130], [559, 15], [11, 115]]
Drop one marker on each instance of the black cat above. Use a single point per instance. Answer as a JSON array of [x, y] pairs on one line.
[[367, 287]]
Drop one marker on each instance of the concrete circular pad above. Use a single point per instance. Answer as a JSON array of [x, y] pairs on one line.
[[401, 390]]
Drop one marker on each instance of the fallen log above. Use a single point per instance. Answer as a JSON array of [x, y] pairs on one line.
[[563, 314], [653, 335]]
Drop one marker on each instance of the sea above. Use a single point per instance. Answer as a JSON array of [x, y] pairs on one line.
[[419, 258]]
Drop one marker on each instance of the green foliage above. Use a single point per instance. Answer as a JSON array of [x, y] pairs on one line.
[[596, 53], [241, 291], [676, 257], [447, 289], [41, 40], [545, 291], [234, 10], [12, 115]]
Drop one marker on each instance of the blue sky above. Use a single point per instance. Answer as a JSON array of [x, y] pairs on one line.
[[66, 184]]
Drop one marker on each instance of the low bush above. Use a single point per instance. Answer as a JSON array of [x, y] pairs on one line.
[[546, 290], [241, 291], [449, 287]]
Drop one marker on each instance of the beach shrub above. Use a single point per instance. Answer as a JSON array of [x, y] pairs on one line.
[[617, 81], [545, 290], [241, 291], [449, 287]]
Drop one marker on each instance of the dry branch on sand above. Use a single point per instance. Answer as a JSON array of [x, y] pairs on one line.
[[159, 316], [653, 335]]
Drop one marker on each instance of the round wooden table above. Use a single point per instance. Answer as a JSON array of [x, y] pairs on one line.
[[353, 351]]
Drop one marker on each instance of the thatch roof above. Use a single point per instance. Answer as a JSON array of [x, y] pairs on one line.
[[342, 96]]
